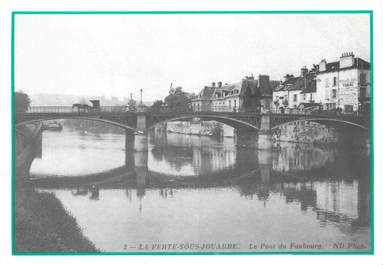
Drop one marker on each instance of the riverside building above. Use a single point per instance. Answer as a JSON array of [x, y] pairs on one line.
[[249, 94]]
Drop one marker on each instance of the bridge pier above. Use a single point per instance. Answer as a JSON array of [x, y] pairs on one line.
[[265, 165], [136, 158], [245, 137], [129, 140], [141, 122], [129, 149], [262, 139], [264, 134], [141, 143], [141, 169], [135, 143]]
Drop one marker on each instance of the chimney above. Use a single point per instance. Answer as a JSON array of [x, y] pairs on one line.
[[314, 69], [264, 84], [346, 60], [219, 84], [322, 65], [263, 80], [304, 71], [287, 77]]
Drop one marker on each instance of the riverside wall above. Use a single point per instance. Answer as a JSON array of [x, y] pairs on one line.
[[306, 132], [27, 147], [203, 128]]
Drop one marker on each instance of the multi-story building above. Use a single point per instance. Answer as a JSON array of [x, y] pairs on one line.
[[344, 84], [247, 95], [295, 90]]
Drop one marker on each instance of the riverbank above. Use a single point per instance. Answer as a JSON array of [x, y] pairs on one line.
[[42, 224]]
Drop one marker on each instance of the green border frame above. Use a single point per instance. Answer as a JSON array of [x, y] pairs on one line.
[[263, 12]]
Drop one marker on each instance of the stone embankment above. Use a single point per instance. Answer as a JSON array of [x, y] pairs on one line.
[[305, 132], [202, 128]]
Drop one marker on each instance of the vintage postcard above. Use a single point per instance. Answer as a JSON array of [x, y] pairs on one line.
[[193, 132]]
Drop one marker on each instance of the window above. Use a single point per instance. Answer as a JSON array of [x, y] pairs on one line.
[[363, 92], [334, 81], [362, 78], [311, 96], [304, 96], [327, 82], [295, 98], [333, 93]]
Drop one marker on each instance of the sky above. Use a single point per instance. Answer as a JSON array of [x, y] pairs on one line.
[[115, 55]]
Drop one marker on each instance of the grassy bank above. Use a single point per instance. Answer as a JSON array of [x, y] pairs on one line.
[[43, 225]]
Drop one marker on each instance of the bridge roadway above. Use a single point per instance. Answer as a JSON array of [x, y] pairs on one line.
[[143, 121]]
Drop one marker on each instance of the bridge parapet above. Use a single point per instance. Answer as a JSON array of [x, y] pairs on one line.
[[148, 119], [127, 120], [362, 121]]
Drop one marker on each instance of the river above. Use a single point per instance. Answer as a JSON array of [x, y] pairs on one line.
[[190, 193]]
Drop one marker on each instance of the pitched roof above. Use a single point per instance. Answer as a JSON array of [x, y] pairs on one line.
[[290, 84], [251, 84], [206, 93], [230, 87], [357, 63], [307, 84], [274, 84], [311, 84], [261, 89], [361, 64]]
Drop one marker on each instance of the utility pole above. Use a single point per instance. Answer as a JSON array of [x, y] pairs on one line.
[[141, 95]]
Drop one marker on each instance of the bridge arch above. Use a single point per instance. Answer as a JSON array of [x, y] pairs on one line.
[[117, 124], [233, 122], [326, 121]]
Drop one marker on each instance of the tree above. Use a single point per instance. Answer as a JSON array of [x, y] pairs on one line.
[[178, 100], [157, 105], [22, 101]]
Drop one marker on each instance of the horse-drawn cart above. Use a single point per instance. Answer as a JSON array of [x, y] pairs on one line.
[[86, 108]]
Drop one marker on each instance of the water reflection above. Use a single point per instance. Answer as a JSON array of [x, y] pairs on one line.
[[189, 155], [197, 189]]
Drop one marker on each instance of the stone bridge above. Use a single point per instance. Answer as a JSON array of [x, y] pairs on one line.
[[143, 121], [245, 123]]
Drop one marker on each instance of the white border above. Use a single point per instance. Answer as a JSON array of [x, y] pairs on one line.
[[7, 6]]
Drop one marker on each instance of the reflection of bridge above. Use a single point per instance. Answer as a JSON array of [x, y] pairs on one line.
[[260, 179], [314, 192], [263, 124]]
